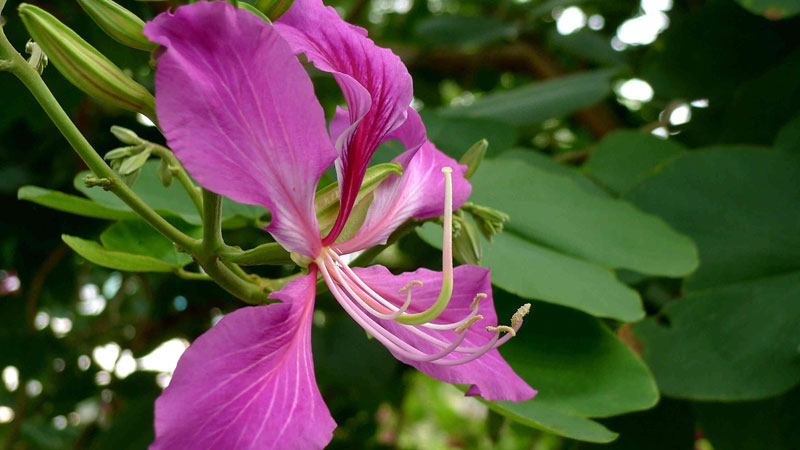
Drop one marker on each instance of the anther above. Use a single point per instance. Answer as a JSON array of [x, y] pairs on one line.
[[409, 286], [468, 323], [503, 328], [523, 310], [477, 300]]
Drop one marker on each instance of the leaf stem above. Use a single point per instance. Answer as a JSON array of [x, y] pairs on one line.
[[17, 65]]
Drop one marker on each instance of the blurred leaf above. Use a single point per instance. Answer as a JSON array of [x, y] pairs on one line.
[[71, 203], [544, 162], [541, 100], [454, 136], [768, 424], [737, 342], [739, 204], [588, 45], [170, 200], [668, 426], [788, 138], [624, 158], [579, 368], [555, 211], [772, 9], [464, 31]]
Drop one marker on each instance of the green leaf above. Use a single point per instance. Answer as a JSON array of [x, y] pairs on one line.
[[555, 211], [172, 200], [71, 203], [624, 158], [772, 9], [454, 136], [464, 31], [546, 163], [765, 424], [739, 204], [535, 272], [137, 237], [578, 366], [788, 138], [95, 253], [540, 100], [588, 45], [731, 343]]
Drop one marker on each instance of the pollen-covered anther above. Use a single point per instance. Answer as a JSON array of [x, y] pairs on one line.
[[477, 300], [502, 329], [409, 286], [516, 319], [468, 323]]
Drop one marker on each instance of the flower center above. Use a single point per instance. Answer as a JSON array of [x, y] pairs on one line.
[[421, 336]]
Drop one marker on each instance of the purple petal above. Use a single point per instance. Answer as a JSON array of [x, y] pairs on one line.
[[490, 375], [249, 382], [240, 113], [375, 83], [418, 193]]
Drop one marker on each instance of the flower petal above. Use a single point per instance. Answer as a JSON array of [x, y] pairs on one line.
[[418, 193], [249, 382], [239, 111], [375, 83], [490, 375]]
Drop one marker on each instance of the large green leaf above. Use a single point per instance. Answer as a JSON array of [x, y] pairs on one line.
[[578, 366], [739, 204], [624, 158], [95, 253], [464, 31], [71, 203], [454, 136], [768, 424], [555, 211], [535, 272], [772, 9], [788, 138], [539, 101], [547, 163], [172, 200], [132, 245], [731, 343]]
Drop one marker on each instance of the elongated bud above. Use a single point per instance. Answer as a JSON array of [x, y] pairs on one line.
[[467, 247], [273, 8], [165, 173], [122, 25], [83, 65], [474, 156], [122, 152], [489, 220], [135, 162], [126, 136]]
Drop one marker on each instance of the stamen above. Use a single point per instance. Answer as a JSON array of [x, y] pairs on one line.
[[469, 323], [516, 319], [503, 328], [446, 291], [477, 300], [409, 286]]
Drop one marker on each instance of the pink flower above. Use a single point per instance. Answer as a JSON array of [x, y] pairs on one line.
[[239, 111]]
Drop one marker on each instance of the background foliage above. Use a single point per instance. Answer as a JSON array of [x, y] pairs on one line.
[[647, 153]]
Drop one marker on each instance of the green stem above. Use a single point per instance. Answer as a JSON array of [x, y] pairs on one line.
[[17, 65], [180, 173], [187, 275]]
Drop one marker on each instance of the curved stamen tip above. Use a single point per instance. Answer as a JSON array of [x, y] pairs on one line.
[[468, 323], [447, 170], [523, 310], [503, 328], [409, 286], [477, 300]]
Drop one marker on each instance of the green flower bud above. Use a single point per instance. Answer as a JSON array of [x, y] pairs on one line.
[[467, 247], [474, 156], [489, 220], [126, 136], [164, 173], [135, 162], [273, 8], [122, 152], [83, 65], [119, 23]]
